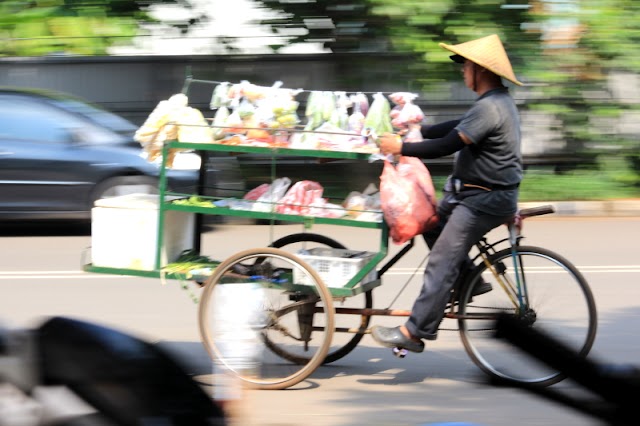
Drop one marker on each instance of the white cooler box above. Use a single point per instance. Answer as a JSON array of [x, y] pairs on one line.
[[124, 232]]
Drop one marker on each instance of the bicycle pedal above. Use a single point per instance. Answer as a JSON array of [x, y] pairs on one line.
[[400, 352]]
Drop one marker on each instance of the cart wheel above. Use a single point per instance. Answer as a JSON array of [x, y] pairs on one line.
[[350, 328], [242, 316]]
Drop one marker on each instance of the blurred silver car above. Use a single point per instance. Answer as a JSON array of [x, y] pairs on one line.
[[58, 154]]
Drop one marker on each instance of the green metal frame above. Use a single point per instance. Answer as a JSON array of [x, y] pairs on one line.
[[350, 289]]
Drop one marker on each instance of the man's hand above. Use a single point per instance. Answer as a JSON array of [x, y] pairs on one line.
[[390, 144]]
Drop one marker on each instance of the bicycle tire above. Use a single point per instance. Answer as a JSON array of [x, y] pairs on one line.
[[237, 313], [551, 283], [339, 348]]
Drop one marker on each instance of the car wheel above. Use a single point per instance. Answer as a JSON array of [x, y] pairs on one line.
[[124, 185]]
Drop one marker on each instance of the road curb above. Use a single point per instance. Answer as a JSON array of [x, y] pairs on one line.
[[608, 208]]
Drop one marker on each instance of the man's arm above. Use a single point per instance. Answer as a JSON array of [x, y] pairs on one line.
[[439, 130], [435, 148]]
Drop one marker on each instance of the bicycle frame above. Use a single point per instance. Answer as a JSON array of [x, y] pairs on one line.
[[516, 291]]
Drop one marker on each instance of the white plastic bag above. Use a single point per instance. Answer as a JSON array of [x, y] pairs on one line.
[[277, 190]]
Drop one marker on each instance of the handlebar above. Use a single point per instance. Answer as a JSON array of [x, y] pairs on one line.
[[536, 211]]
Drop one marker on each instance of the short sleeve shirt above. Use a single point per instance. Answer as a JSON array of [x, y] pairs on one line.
[[494, 157]]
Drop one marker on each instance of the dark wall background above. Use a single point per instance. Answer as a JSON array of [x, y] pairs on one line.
[[132, 86]]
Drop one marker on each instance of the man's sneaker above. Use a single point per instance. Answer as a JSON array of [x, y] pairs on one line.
[[392, 337]]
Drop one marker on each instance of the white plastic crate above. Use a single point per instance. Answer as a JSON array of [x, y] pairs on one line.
[[336, 267]]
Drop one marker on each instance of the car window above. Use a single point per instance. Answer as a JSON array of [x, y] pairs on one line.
[[100, 116], [22, 118]]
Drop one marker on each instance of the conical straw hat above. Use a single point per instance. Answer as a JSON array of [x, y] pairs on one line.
[[489, 53]]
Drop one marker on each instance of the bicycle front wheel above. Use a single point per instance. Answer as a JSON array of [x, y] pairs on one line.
[[268, 322], [540, 287]]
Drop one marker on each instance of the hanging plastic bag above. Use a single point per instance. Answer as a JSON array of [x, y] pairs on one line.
[[220, 96], [355, 122], [192, 126], [360, 101], [377, 118], [219, 122], [408, 199], [340, 115], [159, 126], [267, 201]]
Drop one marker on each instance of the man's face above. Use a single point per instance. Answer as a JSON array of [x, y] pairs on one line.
[[467, 72]]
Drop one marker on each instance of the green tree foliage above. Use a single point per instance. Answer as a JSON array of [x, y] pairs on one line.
[[341, 26], [80, 27], [583, 44], [408, 26], [565, 50]]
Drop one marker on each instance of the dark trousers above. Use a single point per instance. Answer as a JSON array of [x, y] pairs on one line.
[[459, 229]]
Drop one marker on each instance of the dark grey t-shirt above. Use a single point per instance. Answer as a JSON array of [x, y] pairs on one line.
[[494, 157]]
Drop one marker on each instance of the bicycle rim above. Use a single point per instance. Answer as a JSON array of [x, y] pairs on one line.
[[559, 302], [243, 318]]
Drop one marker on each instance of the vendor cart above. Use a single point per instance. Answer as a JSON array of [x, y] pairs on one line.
[[269, 314]]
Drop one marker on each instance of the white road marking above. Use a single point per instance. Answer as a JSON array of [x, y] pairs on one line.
[[21, 275], [13, 275]]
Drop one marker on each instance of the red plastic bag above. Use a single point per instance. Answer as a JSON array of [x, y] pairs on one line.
[[257, 192], [300, 197], [408, 199]]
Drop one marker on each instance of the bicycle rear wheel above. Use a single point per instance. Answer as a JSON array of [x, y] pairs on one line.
[[350, 328], [555, 297], [250, 314]]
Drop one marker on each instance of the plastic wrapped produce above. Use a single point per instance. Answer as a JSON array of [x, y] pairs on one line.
[[401, 98], [219, 121], [160, 127], [300, 197], [153, 129], [257, 192], [245, 110], [313, 111], [340, 115], [192, 126], [284, 111], [320, 207], [355, 203], [234, 123], [267, 201], [356, 119], [329, 104], [404, 111], [220, 96], [406, 116], [360, 103], [377, 119], [410, 114]]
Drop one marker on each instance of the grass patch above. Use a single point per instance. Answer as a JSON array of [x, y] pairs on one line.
[[614, 180]]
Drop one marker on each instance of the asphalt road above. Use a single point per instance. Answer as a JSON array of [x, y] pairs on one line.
[[40, 276]]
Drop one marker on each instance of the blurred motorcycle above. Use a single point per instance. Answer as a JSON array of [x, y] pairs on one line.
[[120, 380]]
